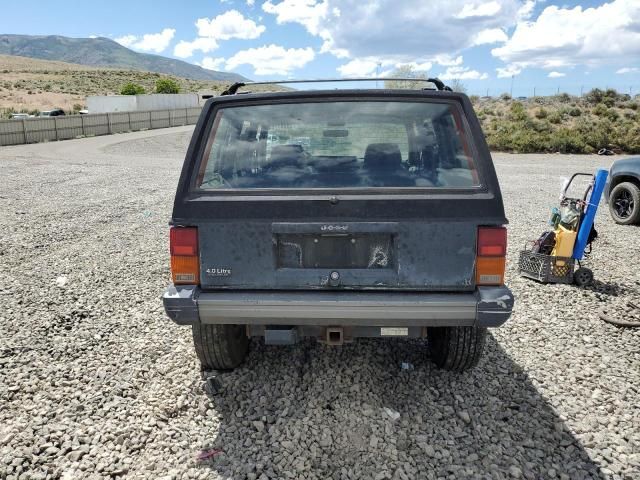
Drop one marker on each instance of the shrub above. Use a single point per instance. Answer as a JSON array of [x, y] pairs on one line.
[[77, 107], [132, 89], [566, 140], [633, 106], [517, 112], [612, 114], [563, 98], [594, 96], [575, 112], [505, 96], [167, 85], [555, 118], [541, 113], [600, 109]]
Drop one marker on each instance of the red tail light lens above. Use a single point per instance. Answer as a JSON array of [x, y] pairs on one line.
[[492, 241], [492, 250], [185, 262]]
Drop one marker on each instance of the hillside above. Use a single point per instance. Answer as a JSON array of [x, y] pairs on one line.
[[31, 85], [104, 52]]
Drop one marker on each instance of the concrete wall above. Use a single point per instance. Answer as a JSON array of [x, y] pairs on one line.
[[132, 103], [33, 130]]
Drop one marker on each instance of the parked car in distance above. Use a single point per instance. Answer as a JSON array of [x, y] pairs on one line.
[[623, 191], [20, 116], [338, 214], [56, 112]]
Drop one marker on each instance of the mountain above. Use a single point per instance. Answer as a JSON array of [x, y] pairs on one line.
[[104, 52]]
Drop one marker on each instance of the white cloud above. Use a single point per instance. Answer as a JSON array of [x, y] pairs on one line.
[[509, 71], [462, 73], [186, 49], [556, 75], [211, 63], [126, 40], [448, 61], [230, 24], [149, 42], [309, 13], [250, 3], [272, 59], [490, 35], [401, 30], [156, 42], [624, 70], [562, 37], [527, 9], [481, 10]]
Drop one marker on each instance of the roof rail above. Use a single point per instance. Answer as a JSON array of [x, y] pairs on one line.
[[233, 89]]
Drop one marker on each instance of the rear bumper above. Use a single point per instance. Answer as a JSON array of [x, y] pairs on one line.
[[485, 307]]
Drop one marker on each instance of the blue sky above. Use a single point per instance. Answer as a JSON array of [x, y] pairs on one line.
[[486, 44]]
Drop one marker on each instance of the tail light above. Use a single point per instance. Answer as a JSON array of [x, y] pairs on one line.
[[185, 261], [491, 259]]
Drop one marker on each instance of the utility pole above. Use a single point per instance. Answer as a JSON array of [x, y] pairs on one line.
[[534, 91], [581, 90]]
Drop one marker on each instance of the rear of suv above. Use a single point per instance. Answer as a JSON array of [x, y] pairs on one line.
[[338, 214]]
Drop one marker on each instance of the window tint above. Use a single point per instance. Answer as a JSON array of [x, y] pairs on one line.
[[338, 145]]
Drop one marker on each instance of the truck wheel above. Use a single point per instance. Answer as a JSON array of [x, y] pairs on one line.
[[624, 203], [456, 348], [220, 347]]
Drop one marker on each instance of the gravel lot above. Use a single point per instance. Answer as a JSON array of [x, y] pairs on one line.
[[95, 382]]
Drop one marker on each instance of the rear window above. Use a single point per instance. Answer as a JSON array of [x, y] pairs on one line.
[[338, 145]]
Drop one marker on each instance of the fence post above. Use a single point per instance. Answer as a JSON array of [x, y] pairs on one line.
[[55, 126], [109, 123], [129, 117], [84, 134], [150, 121], [24, 129], [171, 117]]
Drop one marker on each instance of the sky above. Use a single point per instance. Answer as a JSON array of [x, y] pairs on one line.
[[491, 46]]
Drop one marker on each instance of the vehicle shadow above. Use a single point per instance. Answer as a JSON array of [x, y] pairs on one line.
[[311, 411]]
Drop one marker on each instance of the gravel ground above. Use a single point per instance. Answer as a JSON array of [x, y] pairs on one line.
[[95, 382]]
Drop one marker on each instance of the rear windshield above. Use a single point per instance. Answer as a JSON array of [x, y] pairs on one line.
[[338, 145]]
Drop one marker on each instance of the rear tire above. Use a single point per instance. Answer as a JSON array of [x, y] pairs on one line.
[[624, 204], [220, 347], [456, 348]]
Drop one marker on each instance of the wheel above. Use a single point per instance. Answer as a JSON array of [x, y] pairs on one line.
[[456, 348], [220, 347], [583, 277], [624, 203]]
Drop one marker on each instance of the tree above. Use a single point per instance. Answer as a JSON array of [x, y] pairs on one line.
[[132, 89], [457, 86], [405, 71], [167, 85]]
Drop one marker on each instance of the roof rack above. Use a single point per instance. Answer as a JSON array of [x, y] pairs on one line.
[[233, 89]]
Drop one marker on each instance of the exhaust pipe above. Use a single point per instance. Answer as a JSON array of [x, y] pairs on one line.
[[334, 336]]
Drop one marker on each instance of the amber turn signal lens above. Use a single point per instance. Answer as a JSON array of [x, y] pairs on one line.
[[185, 270], [490, 270]]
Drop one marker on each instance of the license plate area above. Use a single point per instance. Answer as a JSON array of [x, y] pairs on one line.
[[335, 251]]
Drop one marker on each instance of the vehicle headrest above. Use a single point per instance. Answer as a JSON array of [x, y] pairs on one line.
[[382, 156]]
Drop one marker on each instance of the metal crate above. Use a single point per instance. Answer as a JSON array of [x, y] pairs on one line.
[[546, 268]]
